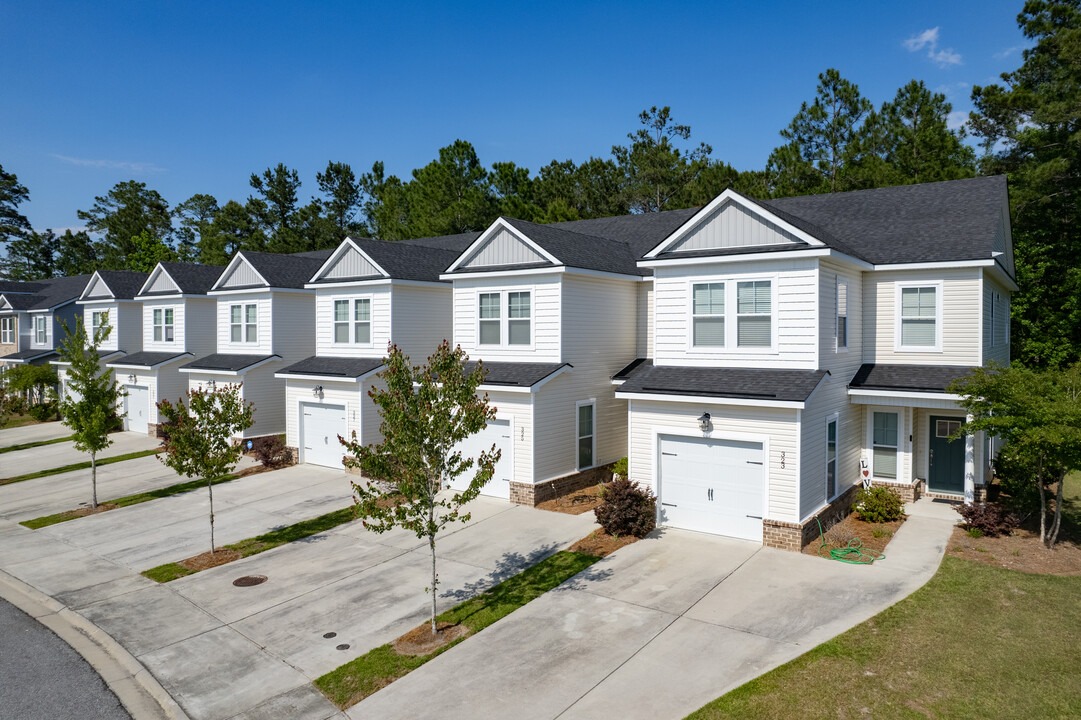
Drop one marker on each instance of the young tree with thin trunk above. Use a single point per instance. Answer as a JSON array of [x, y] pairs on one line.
[[89, 407], [199, 436], [427, 411]]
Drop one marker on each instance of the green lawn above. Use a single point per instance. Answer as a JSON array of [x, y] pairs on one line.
[[975, 642], [359, 678], [77, 466], [39, 443], [262, 543], [125, 501]]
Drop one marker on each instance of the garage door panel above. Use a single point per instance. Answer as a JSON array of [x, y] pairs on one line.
[[137, 408], [320, 427], [496, 433]]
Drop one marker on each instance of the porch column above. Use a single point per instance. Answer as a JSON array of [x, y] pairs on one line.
[[970, 465]]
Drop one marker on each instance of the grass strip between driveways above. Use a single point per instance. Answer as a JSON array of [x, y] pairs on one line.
[[39, 443], [261, 543], [359, 678], [974, 642], [78, 466], [125, 501]]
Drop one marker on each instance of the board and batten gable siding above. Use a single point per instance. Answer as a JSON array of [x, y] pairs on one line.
[[422, 318], [779, 424], [732, 225], [503, 248], [264, 324], [961, 310], [242, 275], [181, 328], [97, 290], [162, 283], [644, 320], [795, 314], [545, 308], [598, 340], [381, 306], [293, 334], [1000, 351], [351, 264]]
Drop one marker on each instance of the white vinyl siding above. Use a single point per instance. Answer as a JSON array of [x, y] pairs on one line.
[[124, 321], [197, 328], [422, 319], [644, 320], [229, 324], [996, 322], [352, 396], [262, 389], [329, 327], [544, 295], [292, 328]]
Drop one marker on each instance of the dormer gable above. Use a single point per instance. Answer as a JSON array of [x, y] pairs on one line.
[[732, 221], [5, 304], [97, 289], [159, 283], [501, 245], [349, 262], [238, 274]]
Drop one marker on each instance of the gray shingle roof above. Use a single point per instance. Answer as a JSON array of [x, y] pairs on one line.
[[404, 261], [124, 284], [642, 231], [912, 378], [632, 368], [333, 367], [17, 286], [455, 243], [226, 362], [51, 294], [287, 271], [515, 374], [147, 359], [19, 301], [193, 279], [736, 383], [29, 355]]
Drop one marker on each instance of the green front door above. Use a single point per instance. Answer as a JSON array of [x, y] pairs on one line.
[[946, 460]]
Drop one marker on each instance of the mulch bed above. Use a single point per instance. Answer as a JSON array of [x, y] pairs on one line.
[[601, 544], [1021, 550], [421, 641], [209, 560], [840, 534], [575, 503], [84, 511]]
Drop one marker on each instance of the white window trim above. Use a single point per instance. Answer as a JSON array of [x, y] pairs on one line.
[[833, 418], [352, 321], [243, 323], [7, 330], [41, 335], [94, 314], [731, 316], [593, 438], [504, 318], [154, 326], [837, 347], [871, 410], [897, 346]]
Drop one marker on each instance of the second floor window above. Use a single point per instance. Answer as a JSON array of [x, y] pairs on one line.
[[919, 317], [754, 321], [518, 318], [41, 330], [708, 314], [490, 322], [163, 325], [505, 318], [98, 319], [353, 321], [842, 314], [244, 323], [7, 330]]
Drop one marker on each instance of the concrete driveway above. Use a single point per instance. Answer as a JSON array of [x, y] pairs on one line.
[[662, 627], [23, 462], [39, 432]]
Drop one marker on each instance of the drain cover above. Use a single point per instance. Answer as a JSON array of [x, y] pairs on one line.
[[343, 646], [329, 635], [249, 580]]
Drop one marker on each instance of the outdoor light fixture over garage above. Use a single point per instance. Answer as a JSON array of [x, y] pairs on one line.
[[703, 422]]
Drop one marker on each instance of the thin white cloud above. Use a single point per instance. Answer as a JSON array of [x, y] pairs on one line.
[[76, 229], [1008, 52], [928, 39], [956, 119], [134, 167]]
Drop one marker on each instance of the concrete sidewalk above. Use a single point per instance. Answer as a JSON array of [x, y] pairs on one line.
[[39, 432], [31, 460], [662, 627]]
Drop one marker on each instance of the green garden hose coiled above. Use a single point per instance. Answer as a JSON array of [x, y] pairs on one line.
[[854, 553]]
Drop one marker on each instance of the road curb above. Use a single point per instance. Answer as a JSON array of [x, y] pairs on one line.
[[136, 688]]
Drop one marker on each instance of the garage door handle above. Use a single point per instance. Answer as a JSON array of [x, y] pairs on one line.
[[754, 462], [672, 454], [755, 517], [669, 504]]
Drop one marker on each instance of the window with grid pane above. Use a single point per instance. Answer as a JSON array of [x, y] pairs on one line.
[[842, 314], [98, 318], [489, 319], [884, 445], [585, 436], [251, 326], [918, 316], [518, 318], [707, 311], [7, 330], [341, 321], [753, 319], [40, 330], [236, 324], [831, 458], [362, 321]]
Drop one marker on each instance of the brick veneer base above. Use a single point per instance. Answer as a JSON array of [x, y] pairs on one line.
[[533, 495], [793, 536], [909, 492], [153, 430]]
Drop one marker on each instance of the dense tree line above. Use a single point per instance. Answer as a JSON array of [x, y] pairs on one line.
[[838, 141]]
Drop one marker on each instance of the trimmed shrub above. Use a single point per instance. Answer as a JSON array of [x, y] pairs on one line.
[[271, 451], [628, 509], [619, 467], [43, 412], [878, 505], [988, 519]]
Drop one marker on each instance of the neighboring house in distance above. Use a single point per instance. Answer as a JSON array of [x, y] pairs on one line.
[[109, 298], [796, 342], [177, 323], [264, 322], [368, 293], [10, 327], [36, 319]]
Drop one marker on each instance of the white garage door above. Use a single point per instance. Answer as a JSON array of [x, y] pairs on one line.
[[714, 486], [496, 433], [137, 408], [320, 426]]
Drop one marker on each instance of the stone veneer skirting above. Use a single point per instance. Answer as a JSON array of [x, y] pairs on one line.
[[533, 495]]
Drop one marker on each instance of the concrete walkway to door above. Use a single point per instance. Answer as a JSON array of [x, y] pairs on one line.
[[662, 627], [36, 459]]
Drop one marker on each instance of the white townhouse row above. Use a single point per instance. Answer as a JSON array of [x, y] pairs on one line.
[[754, 360]]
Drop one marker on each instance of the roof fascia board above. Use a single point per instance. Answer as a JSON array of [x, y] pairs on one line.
[[998, 273], [342, 248], [487, 234], [708, 400], [726, 196], [317, 378], [176, 296], [373, 283], [742, 257], [504, 273], [103, 358], [903, 394], [944, 265], [505, 388], [238, 258], [257, 291]]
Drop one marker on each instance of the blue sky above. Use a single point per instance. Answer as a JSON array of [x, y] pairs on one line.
[[194, 97]]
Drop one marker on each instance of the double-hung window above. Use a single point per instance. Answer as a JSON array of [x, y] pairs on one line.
[[163, 324], [754, 322], [7, 330], [919, 318], [518, 318], [244, 323], [98, 319], [884, 445], [505, 318], [707, 311], [490, 323], [842, 315], [41, 329], [586, 435], [831, 457], [353, 321]]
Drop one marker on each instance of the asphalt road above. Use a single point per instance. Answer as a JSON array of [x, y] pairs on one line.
[[42, 678]]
